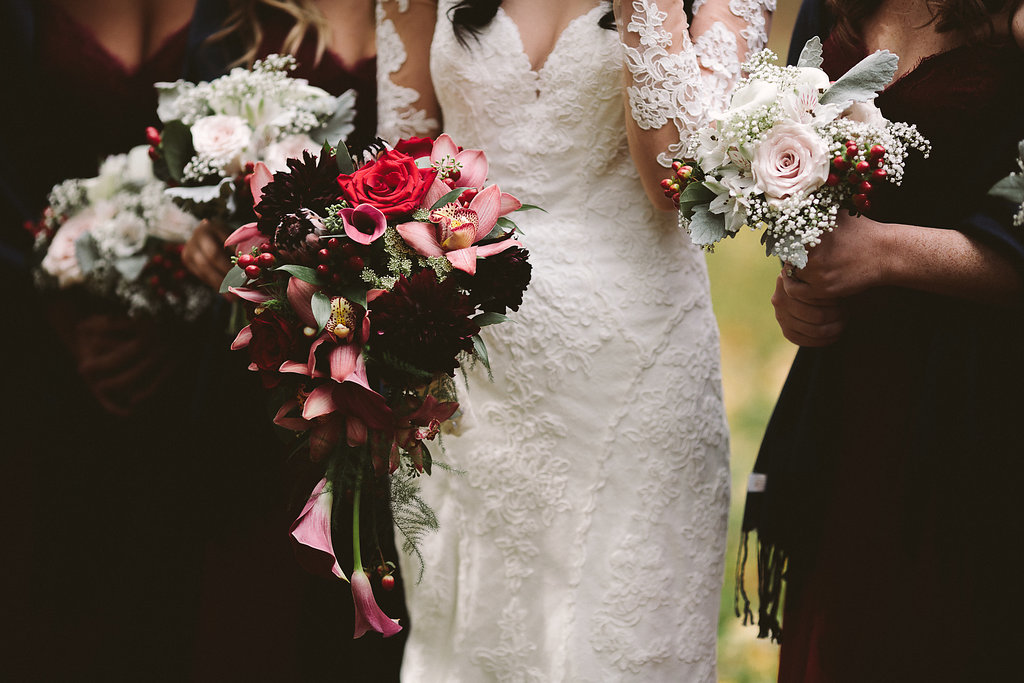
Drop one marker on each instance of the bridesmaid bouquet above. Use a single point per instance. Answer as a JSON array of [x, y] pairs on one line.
[[366, 289], [119, 236], [1012, 187], [213, 133], [792, 151]]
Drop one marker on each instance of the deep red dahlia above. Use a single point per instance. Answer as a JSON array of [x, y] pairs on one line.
[[500, 280]]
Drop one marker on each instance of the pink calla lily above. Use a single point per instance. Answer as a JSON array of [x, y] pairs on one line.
[[312, 528], [369, 617], [363, 224], [245, 238]]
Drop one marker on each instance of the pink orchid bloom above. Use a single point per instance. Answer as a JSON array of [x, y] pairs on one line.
[[456, 230], [363, 224], [248, 236], [312, 528], [466, 168], [368, 615]]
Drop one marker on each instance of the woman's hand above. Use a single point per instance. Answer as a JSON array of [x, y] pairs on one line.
[[805, 318], [204, 254], [852, 258]]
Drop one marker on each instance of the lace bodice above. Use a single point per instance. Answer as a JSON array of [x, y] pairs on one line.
[[583, 540]]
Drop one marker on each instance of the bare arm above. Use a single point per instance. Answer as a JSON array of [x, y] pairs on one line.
[[406, 104]]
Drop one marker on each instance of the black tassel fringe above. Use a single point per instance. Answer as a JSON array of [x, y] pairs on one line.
[[771, 571]]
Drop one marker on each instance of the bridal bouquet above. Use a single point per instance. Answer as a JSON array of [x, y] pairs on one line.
[[120, 236], [792, 151], [1012, 187], [213, 133], [366, 289]]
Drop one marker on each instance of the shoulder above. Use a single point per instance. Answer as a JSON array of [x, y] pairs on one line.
[[1017, 26]]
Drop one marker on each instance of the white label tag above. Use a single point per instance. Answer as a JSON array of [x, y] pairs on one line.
[[757, 482]]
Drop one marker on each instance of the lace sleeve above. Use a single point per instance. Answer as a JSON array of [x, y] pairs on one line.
[[406, 104], [673, 83]]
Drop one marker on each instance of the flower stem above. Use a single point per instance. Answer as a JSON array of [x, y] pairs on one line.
[[357, 559]]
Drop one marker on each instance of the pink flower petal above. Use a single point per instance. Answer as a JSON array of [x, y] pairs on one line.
[[324, 436], [487, 204], [443, 146], [261, 175], [256, 296], [368, 615], [342, 359], [464, 259], [363, 224], [300, 296], [293, 367], [495, 248], [356, 431], [296, 424], [432, 409], [437, 189], [422, 237], [320, 401], [474, 168], [243, 338], [312, 528], [509, 204], [246, 237]]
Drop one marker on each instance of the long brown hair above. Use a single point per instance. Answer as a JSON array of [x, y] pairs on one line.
[[974, 17], [244, 22]]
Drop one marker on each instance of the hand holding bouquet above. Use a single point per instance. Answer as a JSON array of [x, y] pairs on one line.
[[790, 153], [366, 289]]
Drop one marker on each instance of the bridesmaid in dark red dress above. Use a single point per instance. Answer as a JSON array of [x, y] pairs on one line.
[[894, 454]]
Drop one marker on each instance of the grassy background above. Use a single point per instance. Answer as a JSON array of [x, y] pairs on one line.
[[755, 360]]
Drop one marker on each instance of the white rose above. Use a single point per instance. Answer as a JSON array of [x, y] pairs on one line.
[[171, 224], [123, 234], [792, 159], [813, 78], [223, 140], [751, 96], [139, 168], [276, 155], [61, 260], [865, 112]]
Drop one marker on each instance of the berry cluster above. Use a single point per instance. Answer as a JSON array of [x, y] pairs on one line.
[[255, 264], [153, 138], [861, 172], [339, 260], [165, 272], [682, 175]]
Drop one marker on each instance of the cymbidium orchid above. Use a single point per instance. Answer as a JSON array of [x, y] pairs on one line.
[[454, 230]]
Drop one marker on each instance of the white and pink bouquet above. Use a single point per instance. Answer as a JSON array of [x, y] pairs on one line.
[[366, 289], [792, 151], [214, 132], [1012, 187], [120, 237]]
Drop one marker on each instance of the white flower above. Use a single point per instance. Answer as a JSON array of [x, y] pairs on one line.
[[813, 78], [138, 167], [277, 154], [172, 224], [752, 96], [122, 234], [865, 112], [223, 140], [792, 159], [732, 199], [61, 259]]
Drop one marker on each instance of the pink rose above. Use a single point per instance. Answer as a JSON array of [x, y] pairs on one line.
[[61, 260], [222, 140], [791, 160]]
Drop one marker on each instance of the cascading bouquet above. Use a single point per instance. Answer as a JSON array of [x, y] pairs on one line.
[[366, 289], [214, 132], [120, 237], [790, 153], [1012, 187]]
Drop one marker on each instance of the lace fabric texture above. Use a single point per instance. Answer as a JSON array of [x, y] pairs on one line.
[[584, 538]]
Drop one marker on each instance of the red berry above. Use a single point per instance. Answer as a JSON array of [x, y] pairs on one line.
[[863, 167], [161, 291], [676, 165], [879, 174], [840, 164], [154, 154], [154, 280], [323, 269], [152, 136], [832, 180], [266, 259], [265, 246], [336, 278], [179, 274], [877, 151], [387, 582], [853, 179], [157, 259], [865, 188], [252, 272], [332, 243], [355, 263], [851, 149], [862, 202], [245, 260], [249, 168], [324, 255], [666, 184]]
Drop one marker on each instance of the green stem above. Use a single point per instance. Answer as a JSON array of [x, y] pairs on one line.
[[357, 559]]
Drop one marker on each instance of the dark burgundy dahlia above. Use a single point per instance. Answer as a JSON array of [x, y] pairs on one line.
[[422, 323], [500, 280], [309, 185]]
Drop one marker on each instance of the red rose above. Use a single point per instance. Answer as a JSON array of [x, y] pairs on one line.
[[415, 147], [393, 184], [272, 341]]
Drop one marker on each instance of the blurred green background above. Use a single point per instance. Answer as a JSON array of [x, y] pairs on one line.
[[755, 360]]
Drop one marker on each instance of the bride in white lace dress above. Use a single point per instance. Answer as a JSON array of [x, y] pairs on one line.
[[584, 539]]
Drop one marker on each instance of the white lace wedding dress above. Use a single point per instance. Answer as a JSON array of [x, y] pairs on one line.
[[584, 539]]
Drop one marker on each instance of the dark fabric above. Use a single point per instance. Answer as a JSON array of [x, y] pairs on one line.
[[813, 19], [892, 457]]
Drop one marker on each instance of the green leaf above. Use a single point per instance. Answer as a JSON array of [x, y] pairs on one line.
[[485, 319], [131, 267], [481, 351], [692, 196], [705, 227], [304, 273], [340, 124], [863, 81], [428, 459], [811, 55], [235, 278], [86, 252], [355, 294], [344, 160], [448, 198], [1010, 187], [321, 305], [506, 224], [528, 207], [176, 143]]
